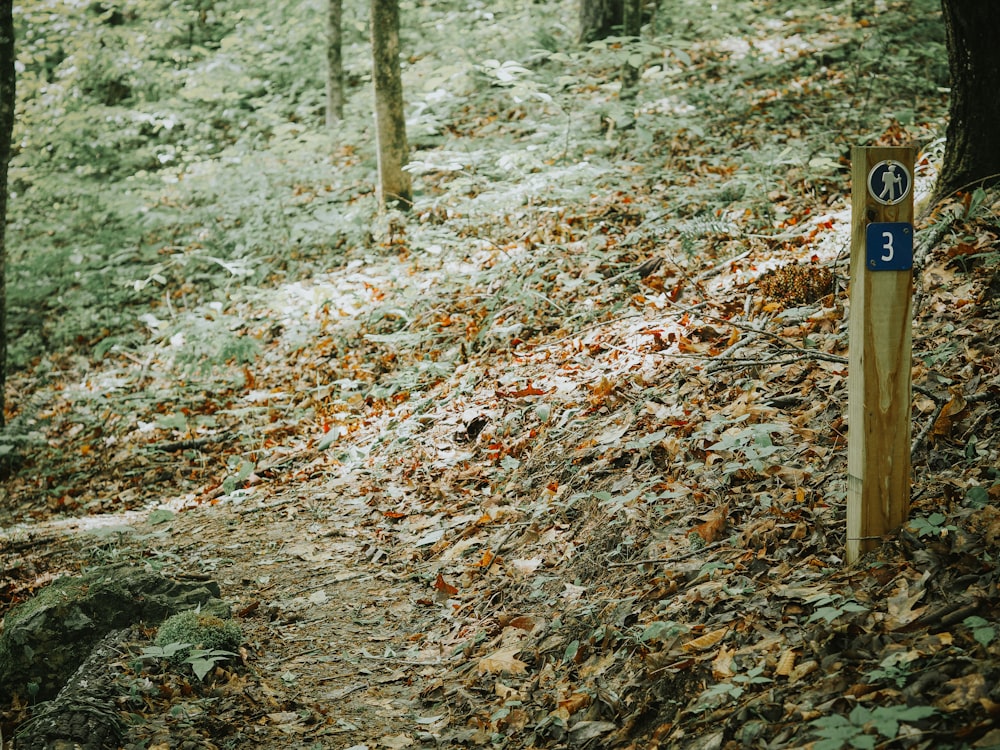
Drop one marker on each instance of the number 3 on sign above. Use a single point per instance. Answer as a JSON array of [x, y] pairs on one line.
[[889, 246], [887, 257]]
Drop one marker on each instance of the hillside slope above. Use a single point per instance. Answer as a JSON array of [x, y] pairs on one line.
[[556, 460]]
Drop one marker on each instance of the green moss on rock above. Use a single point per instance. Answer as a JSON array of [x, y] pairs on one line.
[[201, 630], [46, 638]]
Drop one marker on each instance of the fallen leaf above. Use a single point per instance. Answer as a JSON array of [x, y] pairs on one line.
[[583, 731], [722, 664], [526, 567], [396, 742], [443, 586], [713, 526], [706, 641], [503, 661], [786, 663], [951, 413], [575, 702], [900, 605]]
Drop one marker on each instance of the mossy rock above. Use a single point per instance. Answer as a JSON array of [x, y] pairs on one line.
[[201, 630], [47, 637]]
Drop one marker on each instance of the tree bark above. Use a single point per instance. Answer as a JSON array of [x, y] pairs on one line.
[[83, 714], [8, 81], [598, 19], [334, 63], [390, 124], [632, 28], [972, 150]]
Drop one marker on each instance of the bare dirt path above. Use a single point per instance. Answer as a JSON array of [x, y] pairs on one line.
[[333, 625]]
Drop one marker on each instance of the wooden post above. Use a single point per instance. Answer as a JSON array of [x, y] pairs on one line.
[[879, 388]]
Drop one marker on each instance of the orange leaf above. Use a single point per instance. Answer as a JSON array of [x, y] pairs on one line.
[[486, 560], [713, 526], [442, 585], [523, 622], [575, 702]]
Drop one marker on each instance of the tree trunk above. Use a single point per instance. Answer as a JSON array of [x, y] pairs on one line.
[[390, 125], [598, 19], [334, 63], [632, 28], [972, 151], [7, 90]]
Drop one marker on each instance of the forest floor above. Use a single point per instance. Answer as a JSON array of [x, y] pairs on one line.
[[557, 459]]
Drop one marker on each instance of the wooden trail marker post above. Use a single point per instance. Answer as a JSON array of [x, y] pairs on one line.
[[879, 375]]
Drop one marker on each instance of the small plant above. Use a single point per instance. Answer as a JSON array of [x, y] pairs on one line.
[[753, 441], [830, 607], [202, 661], [208, 634], [983, 631], [167, 651], [894, 668], [863, 726], [732, 688], [933, 525]]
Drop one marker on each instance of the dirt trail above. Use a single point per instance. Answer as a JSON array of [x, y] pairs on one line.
[[325, 626]]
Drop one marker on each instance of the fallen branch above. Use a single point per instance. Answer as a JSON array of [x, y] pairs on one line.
[[186, 445]]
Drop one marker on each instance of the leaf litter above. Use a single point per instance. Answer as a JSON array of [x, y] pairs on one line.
[[566, 473]]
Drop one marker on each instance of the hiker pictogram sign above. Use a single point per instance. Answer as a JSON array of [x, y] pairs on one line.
[[889, 182]]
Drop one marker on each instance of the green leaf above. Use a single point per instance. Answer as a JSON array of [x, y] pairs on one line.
[[510, 463], [163, 652], [571, 650], [977, 497], [661, 631], [161, 515]]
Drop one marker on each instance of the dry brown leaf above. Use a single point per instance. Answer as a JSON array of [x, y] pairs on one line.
[[503, 660], [706, 641], [575, 702], [786, 663], [713, 526], [965, 693], [523, 622], [951, 413], [722, 664], [505, 692], [801, 670], [901, 603]]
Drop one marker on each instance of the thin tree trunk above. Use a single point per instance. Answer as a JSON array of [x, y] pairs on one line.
[[8, 82], [632, 28], [390, 124], [334, 64], [598, 19], [972, 150]]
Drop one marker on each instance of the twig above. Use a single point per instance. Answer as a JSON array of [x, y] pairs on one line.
[[813, 353], [919, 440], [184, 445], [413, 662], [590, 327], [718, 267], [675, 558]]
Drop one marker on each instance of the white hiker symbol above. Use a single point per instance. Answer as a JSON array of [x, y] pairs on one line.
[[892, 185], [889, 182]]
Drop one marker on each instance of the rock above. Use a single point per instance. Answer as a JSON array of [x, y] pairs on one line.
[[45, 639], [83, 716]]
